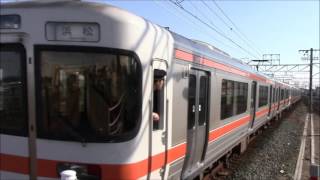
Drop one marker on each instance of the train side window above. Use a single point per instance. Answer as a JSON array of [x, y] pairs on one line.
[[158, 98], [241, 97], [282, 94], [192, 100], [234, 96], [274, 95], [263, 95], [227, 98], [285, 94], [13, 101], [203, 101]]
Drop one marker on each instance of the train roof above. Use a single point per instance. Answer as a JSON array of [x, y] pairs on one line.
[[211, 52], [98, 8], [204, 49]]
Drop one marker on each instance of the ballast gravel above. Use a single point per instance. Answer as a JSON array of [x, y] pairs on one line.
[[272, 154]]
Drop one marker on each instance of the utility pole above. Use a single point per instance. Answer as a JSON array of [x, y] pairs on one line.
[[310, 85], [310, 77]]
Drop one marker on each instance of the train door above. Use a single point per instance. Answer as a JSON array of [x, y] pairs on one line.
[[17, 141], [275, 99], [253, 102], [159, 119], [198, 95], [278, 98], [270, 99]]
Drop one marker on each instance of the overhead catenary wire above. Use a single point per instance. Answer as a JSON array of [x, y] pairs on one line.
[[234, 30], [190, 22], [235, 26], [216, 14], [212, 28], [204, 15]]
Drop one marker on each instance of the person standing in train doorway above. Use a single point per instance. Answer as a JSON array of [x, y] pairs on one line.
[[158, 84]]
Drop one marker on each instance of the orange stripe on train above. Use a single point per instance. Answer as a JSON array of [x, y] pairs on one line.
[[47, 168], [179, 54]]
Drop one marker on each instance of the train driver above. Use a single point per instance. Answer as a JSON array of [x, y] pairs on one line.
[[157, 96]]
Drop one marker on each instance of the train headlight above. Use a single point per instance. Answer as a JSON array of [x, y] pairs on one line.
[[83, 171], [12, 21], [72, 31]]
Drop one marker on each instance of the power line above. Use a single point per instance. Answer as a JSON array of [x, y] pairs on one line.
[[236, 27], [229, 27], [205, 16], [211, 27], [217, 15], [190, 22]]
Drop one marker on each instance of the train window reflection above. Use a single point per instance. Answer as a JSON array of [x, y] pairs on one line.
[[192, 101], [203, 101], [13, 113], [89, 96], [234, 97], [274, 95], [263, 95], [241, 97], [227, 96]]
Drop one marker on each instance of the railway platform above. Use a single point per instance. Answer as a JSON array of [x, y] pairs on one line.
[[308, 163]]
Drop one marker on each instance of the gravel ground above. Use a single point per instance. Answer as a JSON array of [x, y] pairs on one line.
[[273, 154]]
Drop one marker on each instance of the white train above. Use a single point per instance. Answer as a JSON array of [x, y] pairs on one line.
[[76, 84]]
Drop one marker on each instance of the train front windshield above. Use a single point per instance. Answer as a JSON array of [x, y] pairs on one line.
[[87, 96], [13, 101]]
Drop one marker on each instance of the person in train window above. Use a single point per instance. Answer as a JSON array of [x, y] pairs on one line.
[[157, 96]]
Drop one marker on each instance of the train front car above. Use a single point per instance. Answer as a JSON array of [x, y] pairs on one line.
[[76, 91]]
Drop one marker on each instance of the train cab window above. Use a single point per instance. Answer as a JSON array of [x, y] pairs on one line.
[[13, 98], [263, 95], [158, 99], [234, 97], [88, 96]]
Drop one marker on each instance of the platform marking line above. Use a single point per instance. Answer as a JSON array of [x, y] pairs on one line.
[[312, 141], [299, 164]]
